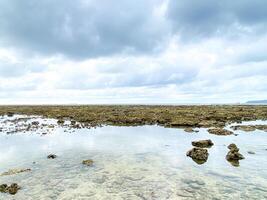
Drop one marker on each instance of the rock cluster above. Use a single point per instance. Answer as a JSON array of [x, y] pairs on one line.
[[12, 189], [199, 154], [233, 156]]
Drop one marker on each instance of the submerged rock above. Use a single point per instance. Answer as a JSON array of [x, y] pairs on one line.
[[14, 171], [233, 156], [220, 131], [51, 156], [12, 189], [202, 143], [60, 121], [199, 155], [190, 130], [251, 152], [88, 162], [35, 123], [3, 188], [250, 128]]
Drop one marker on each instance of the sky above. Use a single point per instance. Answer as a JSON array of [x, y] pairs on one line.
[[132, 52]]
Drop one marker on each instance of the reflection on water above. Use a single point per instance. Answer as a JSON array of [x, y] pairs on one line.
[[147, 162]]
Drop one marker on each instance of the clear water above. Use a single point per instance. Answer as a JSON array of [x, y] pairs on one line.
[[147, 162]]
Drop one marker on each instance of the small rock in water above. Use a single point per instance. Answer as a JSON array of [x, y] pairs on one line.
[[51, 156], [251, 152], [190, 130], [35, 123], [60, 121], [219, 131], [199, 155], [233, 156], [88, 162], [12, 189], [202, 143], [3, 188]]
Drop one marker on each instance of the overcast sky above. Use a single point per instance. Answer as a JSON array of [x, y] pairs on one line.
[[125, 51]]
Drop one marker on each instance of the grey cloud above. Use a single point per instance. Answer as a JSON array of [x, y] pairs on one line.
[[194, 19], [10, 70], [82, 28]]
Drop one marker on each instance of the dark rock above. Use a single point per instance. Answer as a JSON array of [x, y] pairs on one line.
[[60, 121], [202, 143], [51, 156], [13, 188], [73, 122], [219, 131], [199, 155], [10, 114], [251, 152], [35, 123], [233, 156], [88, 162], [3, 188]]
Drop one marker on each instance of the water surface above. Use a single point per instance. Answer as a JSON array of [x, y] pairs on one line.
[[146, 162]]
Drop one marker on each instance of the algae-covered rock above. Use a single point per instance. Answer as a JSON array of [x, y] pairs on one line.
[[199, 155], [220, 131], [3, 188], [233, 156], [202, 143], [12, 189], [88, 162]]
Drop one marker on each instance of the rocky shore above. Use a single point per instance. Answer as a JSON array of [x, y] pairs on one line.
[[131, 115]]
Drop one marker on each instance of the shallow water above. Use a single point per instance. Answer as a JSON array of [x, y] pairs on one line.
[[147, 162]]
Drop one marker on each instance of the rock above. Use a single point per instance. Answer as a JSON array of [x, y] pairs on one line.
[[3, 188], [88, 162], [202, 143], [51, 156], [10, 114], [60, 121], [189, 130], [233, 156], [251, 152], [243, 128], [73, 122], [219, 131], [232, 146], [249, 128], [12, 189], [14, 171], [35, 123], [199, 155]]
